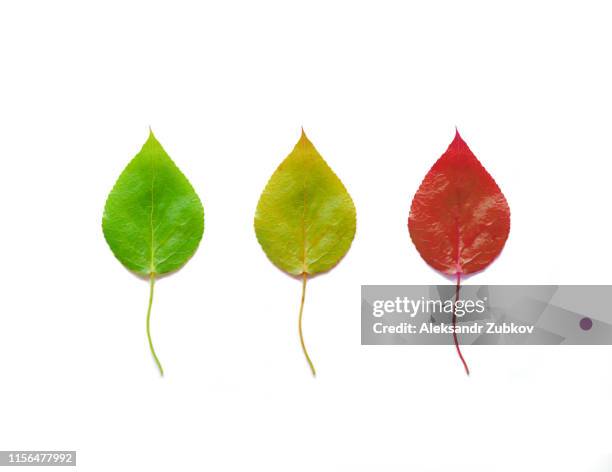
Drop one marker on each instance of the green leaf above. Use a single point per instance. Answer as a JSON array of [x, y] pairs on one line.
[[153, 219], [305, 219]]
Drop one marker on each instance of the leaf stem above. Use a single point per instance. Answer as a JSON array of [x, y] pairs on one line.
[[465, 366], [304, 278], [151, 290]]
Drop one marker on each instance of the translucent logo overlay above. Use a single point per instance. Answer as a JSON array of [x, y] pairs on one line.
[[487, 314]]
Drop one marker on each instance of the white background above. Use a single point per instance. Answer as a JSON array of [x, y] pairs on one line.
[[379, 88]]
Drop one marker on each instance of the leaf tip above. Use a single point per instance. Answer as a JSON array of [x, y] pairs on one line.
[[152, 139], [457, 137], [458, 142], [303, 138]]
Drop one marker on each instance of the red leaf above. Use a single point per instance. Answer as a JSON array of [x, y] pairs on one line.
[[459, 220]]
